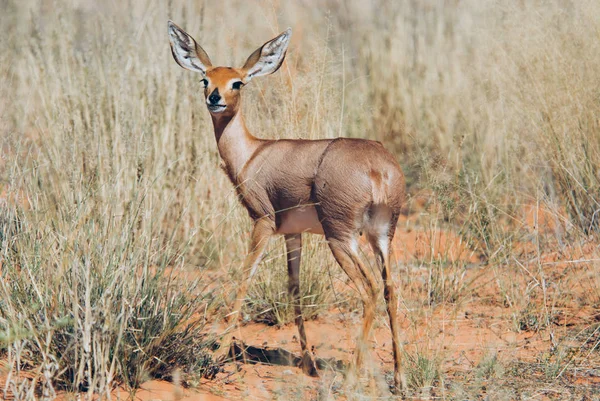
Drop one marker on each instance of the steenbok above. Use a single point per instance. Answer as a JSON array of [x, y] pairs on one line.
[[338, 187]]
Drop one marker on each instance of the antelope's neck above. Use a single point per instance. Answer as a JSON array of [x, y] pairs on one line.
[[235, 143]]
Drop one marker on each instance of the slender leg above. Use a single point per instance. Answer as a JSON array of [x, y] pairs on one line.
[[262, 231], [354, 268], [391, 300], [369, 309], [293, 244], [389, 293]]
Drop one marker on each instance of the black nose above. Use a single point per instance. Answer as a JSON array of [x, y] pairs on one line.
[[214, 97]]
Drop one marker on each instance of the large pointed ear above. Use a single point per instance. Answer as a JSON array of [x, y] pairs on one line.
[[186, 51], [268, 58]]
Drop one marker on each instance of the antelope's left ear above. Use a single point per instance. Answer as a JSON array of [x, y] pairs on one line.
[[268, 58]]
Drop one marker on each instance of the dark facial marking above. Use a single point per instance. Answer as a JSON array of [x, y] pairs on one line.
[[214, 97]]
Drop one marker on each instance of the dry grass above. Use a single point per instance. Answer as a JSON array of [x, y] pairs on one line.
[[110, 185]]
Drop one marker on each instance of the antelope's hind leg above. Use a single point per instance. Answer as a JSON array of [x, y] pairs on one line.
[[293, 244], [346, 255], [380, 237]]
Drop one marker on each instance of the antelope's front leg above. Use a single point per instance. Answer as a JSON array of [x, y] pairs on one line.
[[293, 243], [262, 231]]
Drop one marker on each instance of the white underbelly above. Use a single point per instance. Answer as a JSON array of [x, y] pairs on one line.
[[301, 219]]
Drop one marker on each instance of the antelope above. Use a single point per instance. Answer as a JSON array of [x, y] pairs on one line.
[[338, 188]]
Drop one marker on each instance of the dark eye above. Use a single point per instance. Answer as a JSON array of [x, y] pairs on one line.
[[205, 82], [237, 85]]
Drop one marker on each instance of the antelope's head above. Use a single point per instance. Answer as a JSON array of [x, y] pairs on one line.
[[222, 85]]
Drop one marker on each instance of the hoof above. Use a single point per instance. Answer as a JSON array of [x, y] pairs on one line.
[[400, 384], [308, 365]]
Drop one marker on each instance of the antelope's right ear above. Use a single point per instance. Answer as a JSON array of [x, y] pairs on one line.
[[186, 52]]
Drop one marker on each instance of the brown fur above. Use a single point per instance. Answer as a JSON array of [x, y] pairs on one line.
[[354, 185]]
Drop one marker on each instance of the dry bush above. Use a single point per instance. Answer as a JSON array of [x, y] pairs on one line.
[[422, 370], [95, 297]]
